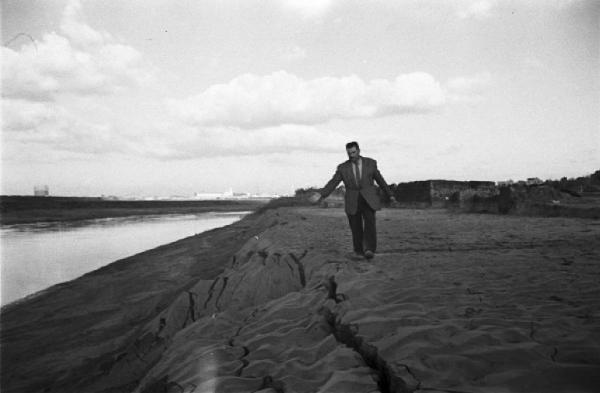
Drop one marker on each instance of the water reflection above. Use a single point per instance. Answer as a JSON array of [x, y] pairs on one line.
[[35, 256], [63, 226]]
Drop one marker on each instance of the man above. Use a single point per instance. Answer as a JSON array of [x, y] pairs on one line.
[[361, 200]]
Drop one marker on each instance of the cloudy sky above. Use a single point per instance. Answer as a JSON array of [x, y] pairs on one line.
[[156, 98]]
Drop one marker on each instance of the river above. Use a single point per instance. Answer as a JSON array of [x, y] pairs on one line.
[[36, 256]]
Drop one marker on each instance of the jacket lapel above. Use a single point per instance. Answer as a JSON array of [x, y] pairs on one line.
[[350, 171]]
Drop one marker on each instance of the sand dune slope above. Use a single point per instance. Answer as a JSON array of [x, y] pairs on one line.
[[451, 303]]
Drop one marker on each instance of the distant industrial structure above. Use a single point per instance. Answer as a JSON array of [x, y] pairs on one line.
[[41, 191], [213, 195], [198, 196], [230, 195]]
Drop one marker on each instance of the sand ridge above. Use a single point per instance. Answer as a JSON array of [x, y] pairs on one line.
[[451, 303], [472, 303]]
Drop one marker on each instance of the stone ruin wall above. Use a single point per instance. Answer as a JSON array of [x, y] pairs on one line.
[[442, 191], [486, 197], [437, 193], [416, 193]]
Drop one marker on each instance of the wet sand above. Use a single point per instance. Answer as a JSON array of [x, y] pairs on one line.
[[275, 303]]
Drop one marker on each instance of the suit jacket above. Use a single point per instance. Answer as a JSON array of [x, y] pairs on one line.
[[365, 186]]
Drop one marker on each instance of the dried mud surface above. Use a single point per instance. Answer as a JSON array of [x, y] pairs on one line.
[[276, 303]]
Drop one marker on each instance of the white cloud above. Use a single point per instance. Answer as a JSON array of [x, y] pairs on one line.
[[473, 83], [475, 8], [22, 115], [558, 4], [78, 32], [309, 8], [49, 126], [534, 64], [481, 9], [251, 101], [294, 53], [468, 88], [184, 142], [79, 60]]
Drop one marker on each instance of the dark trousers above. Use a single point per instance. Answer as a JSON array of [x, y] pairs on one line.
[[362, 225]]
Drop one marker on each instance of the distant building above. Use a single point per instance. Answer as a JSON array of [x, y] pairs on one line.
[[41, 191], [231, 195], [534, 181], [241, 195], [207, 195]]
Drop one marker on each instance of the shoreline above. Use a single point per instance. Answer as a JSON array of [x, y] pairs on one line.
[[110, 303], [40, 255], [124, 218], [463, 302]]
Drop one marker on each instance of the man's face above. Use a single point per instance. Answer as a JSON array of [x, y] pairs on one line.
[[353, 153]]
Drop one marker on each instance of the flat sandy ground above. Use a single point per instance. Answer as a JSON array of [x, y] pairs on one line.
[[451, 303]]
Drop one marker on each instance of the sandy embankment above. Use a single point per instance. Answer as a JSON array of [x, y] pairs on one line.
[[462, 303]]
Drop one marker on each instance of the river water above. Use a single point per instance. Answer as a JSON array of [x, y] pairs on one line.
[[36, 256]]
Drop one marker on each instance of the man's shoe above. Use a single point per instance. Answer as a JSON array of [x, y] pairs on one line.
[[369, 254]]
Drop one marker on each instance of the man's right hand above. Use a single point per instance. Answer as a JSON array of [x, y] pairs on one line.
[[314, 198]]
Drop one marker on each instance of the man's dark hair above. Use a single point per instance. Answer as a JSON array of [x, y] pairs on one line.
[[352, 144]]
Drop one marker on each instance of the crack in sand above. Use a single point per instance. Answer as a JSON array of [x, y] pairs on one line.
[[269, 383], [344, 334], [161, 325], [409, 371], [191, 312], [225, 279], [347, 334], [300, 265], [231, 343], [388, 378], [210, 291], [244, 361]]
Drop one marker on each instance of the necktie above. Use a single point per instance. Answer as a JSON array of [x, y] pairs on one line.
[[357, 173]]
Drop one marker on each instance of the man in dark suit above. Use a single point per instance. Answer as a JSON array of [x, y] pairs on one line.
[[361, 199]]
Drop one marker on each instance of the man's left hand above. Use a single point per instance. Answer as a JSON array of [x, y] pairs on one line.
[[392, 202], [314, 198]]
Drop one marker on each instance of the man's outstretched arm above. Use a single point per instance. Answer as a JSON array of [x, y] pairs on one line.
[[328, 189]]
